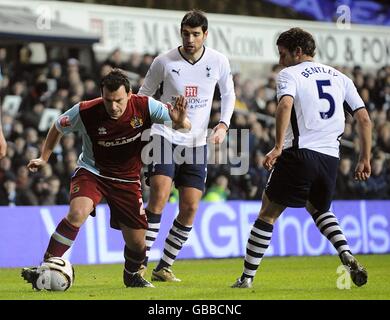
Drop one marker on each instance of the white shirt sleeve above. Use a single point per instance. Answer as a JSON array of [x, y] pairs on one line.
[[228, 97], [352, 96], [70, 121], [153, 78], [285, 85]]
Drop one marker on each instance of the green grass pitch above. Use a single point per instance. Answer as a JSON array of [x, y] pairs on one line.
[[278, 278]]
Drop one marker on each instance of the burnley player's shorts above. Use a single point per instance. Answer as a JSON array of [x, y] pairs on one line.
[[187, 166], [123, 198], [302, 175]]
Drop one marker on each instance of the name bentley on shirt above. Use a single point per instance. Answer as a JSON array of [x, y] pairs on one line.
[[118, 142], [313, 70]]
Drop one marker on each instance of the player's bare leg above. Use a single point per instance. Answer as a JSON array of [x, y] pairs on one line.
[[328, 225], [259, 240], [65, 233], [189, 199], [67, 230], [134, 253]]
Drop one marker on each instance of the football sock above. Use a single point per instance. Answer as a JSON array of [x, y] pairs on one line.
[[62, 239], [177, 236], [152, 231], [328, 225], [133, 260], [258, 242]]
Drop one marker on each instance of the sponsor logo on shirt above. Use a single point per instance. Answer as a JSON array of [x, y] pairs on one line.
[[176, 71], [65, 122], [102, 131], [118, 142], [191, 91], [136, 122]]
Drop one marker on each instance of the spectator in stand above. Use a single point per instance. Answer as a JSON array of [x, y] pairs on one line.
[[218, 191], [377, 187], [259, 100], [115, 60], [8, 190], [345, 186], [145, 64], [384, 137], [259, 176], [135, 61]]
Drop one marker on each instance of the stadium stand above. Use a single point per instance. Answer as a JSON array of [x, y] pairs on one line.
[[255, 109], [33, 92]]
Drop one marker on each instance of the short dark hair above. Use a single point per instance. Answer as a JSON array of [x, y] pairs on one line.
[[114, 80], [297, 37], [195, 18]]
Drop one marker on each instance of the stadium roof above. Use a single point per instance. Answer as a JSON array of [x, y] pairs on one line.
[[21, 24]]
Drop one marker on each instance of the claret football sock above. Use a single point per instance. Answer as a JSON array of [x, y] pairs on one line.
[[133, 259], [62, 239]]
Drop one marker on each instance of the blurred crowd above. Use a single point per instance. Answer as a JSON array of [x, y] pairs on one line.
[[58, 85]]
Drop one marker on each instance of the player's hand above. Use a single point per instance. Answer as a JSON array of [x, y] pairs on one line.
[[271, 157], [178, 112], [3, 146], [219, 133], [363, 170], [36, 164]]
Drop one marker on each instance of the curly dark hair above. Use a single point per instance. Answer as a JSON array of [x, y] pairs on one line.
[[297, 37], [195, 18], [114, 80]]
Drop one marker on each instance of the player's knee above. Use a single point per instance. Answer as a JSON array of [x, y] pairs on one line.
[[268, 219], [157, 201], [189, 208], [77, 217], [268, 215]]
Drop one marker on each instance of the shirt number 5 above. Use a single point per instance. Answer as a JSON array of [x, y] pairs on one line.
[[327, 96]]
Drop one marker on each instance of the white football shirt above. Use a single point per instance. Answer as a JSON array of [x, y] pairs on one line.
[[317, 119], [197, 83]]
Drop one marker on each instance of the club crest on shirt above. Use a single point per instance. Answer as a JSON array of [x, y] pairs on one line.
[[208, 71], [102, 131], [65, 122], [75, 188], [136, 122]]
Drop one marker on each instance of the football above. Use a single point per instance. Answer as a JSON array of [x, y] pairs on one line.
[[55, 274]]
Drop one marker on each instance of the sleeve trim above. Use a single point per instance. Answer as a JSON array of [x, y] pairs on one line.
[[285, 95]]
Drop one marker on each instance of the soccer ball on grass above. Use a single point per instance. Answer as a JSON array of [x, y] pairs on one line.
[[55, 274]]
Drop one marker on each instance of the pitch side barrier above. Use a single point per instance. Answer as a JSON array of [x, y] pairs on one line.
[[220, 231]]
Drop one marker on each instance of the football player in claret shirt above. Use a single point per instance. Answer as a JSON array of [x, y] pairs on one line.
[[309, 123], [192, 70], [109, 166]]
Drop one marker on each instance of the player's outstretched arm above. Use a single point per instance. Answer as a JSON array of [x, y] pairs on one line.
[[52, 138], [363, 167], [178, 114]]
